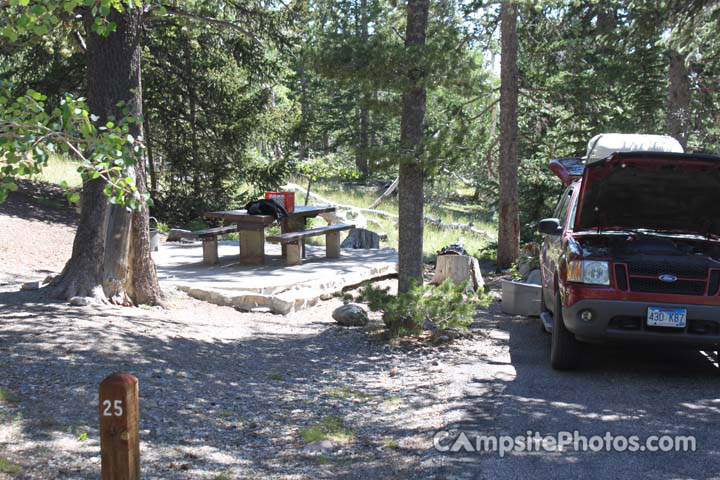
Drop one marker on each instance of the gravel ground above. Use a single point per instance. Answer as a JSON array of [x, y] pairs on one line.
[[36, 232], [221, 392], [632, 390]]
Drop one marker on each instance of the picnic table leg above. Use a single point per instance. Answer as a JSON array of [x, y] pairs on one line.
[[210, 250], [332, 245], [294, 253], [252, 245], [293, 224]]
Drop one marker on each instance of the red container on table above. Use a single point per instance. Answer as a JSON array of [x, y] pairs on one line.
[[286, 199]]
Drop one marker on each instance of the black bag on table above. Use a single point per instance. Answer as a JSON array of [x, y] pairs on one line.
[[267, 207]]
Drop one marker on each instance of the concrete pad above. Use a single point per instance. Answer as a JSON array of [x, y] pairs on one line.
[[276, 286]]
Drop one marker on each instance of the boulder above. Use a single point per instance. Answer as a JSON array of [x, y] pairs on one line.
[[351, 315], [362, 239], [317, 448], [176, 234], [534, 278], [31, 286], [81, 301]]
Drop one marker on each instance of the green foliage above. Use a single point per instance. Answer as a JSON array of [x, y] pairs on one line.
[[216, 134], [446, 306], [29, 135]]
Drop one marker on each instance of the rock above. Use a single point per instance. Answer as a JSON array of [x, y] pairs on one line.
[[393, 372], [80, 301], [31, 286], [428, 325], [534, 278], [524, 269], [317, 448], [361, 238], [440, 339], [350, 315], [283, 303], [176, 234]]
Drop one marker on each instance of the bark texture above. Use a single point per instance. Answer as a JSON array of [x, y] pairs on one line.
[[509, 220], [411, 198], [361, 157], [111, 253], [678, 113]]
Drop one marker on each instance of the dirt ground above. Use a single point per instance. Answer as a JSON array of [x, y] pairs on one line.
[[224, 394]]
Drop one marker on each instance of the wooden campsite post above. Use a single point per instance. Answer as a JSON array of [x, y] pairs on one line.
[[119, 424]]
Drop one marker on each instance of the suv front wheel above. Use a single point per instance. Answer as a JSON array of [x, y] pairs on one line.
[[564, 351]]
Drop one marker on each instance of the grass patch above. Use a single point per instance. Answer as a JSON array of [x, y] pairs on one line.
[[392, 402], [224, 476], [434, 238], [391, 443], [60, 169], [7, 396], [329, 428], [6, 466]]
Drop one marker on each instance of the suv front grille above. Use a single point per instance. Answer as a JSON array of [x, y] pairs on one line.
[[680, 287], [662, 268], [645, 277]]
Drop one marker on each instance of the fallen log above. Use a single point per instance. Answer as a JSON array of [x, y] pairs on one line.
[[385, 194]]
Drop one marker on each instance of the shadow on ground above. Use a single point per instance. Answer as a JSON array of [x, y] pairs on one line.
[[226, 403], [626, 390]]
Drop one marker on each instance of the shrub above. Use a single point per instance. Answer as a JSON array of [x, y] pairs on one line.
[[445, 306]]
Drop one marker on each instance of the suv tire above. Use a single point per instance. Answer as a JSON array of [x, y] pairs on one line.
[[543, 309], [564, 349]]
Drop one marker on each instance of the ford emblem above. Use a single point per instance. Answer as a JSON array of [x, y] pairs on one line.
[[667, 278]]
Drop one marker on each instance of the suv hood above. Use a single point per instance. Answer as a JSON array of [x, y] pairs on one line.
[[672, 192]]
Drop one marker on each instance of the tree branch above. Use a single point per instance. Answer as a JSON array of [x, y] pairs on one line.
[[212, 21]]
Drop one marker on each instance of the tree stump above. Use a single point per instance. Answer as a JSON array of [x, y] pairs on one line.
[[361, 238], [460, 269]]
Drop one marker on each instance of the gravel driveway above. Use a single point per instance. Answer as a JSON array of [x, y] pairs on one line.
[[629, 390]]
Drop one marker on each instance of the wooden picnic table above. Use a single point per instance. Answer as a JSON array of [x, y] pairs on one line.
[[251, 228]]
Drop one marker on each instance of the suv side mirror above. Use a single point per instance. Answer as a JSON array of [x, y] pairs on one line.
[[550, 226]]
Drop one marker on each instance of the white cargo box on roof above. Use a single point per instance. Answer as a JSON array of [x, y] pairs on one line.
[[601, 146]]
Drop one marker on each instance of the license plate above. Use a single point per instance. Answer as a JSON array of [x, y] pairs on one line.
[[666, 317]]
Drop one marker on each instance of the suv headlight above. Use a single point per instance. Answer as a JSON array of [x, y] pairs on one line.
[[589, 271]]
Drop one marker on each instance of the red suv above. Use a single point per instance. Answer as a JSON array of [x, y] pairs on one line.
[[633, 253]]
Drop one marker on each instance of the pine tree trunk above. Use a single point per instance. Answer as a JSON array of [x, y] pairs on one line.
[[150, 159], [509, 220], [361, 158], [678, 115], [410, 223], [111, 252]]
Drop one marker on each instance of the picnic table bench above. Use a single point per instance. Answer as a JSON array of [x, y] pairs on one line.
[[293, 241], [209, 240]]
